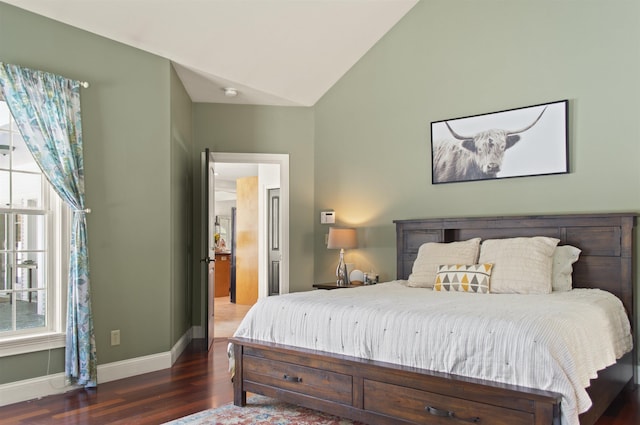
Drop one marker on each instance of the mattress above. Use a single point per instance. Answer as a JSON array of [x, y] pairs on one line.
[[555, 342]]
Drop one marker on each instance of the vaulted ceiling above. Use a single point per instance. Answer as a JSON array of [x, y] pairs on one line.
[[273, 52]]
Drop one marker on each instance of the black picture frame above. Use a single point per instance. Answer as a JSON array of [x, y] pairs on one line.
[[521, 142]]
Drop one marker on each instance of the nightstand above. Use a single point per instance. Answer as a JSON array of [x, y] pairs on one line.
[[332, 285]]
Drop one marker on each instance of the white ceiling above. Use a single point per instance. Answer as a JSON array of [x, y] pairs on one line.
[[226, 174], [274, 52]]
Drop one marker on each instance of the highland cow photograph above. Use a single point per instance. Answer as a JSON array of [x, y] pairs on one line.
[[528, 141]]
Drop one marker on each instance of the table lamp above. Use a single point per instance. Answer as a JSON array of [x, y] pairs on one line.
[[342, 239]]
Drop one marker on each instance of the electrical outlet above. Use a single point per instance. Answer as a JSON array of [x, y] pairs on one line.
[[115, 337]]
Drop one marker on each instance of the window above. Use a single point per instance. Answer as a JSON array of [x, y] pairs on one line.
[[33, 249]]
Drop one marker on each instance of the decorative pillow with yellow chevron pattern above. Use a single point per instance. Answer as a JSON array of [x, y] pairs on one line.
[[463, 278]]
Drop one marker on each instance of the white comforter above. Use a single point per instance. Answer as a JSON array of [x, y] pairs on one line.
[[553, 342]]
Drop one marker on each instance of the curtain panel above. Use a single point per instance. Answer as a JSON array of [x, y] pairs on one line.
[[46, 108]]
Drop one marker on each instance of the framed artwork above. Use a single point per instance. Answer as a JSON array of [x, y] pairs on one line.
[[528, 141]]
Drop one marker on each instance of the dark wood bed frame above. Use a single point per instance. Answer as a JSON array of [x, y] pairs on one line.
[[383, 393]]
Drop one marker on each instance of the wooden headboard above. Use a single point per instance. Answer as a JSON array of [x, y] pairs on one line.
[[606, 241]]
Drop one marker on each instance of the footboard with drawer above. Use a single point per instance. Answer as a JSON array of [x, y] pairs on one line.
[[384, 393]]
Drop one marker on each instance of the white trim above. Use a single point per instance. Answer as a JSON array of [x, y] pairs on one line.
[[132, 367], [197, 332], [42, 386], [179, 346], [57, 229], [31, 343], [29, 389], [268, 178]]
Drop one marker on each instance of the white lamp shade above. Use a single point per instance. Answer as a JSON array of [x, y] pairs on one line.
[[342, 238]]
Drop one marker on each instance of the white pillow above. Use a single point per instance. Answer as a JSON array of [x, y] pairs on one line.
[[433, 254], [521, 265], [563, 258]]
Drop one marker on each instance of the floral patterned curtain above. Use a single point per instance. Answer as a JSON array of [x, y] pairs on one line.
[[46, 108]]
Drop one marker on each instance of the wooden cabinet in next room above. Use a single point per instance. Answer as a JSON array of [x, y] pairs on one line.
[[223, 274]]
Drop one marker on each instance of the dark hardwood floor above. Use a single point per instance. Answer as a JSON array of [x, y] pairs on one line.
[[196, 382]]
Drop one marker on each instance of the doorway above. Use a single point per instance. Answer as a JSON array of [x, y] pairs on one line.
[[224, 170]]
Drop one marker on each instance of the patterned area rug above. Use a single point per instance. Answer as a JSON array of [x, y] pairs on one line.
[[262, 410]]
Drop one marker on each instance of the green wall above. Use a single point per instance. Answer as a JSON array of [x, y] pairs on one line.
[[363, 149], [129, 173], [271, 130], [448, 59], [181, 210]]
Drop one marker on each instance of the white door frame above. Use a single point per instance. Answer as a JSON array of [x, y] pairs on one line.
[[283, 161]]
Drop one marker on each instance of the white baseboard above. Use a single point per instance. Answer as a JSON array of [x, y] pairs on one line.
[[179, 346], [29, 389], [198, 332], [132, 367]]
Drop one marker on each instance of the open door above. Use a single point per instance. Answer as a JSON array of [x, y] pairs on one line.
[[232, 289], [278, 265], [207, 256], [273, 239]]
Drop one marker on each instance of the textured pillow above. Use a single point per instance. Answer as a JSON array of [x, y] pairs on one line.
[[563, 258], [463, 278], [432, 254], [520, 265]]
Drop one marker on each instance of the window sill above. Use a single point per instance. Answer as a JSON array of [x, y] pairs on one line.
[[31, 343]]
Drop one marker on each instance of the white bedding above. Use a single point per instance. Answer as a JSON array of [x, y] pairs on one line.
[[554, 342]]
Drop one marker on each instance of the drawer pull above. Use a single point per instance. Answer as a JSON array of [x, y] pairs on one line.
[[449, 414], [292, 378]]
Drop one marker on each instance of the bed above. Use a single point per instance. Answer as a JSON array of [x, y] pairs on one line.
[[384, 392]]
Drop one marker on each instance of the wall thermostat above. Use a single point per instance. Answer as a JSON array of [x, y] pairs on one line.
[[327, 217]]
